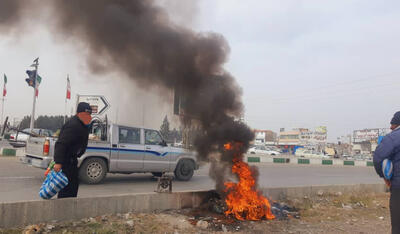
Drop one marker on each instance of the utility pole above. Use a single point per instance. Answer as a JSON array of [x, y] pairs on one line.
[[65, 110], [66, 97], [36, 66], [2, 110]]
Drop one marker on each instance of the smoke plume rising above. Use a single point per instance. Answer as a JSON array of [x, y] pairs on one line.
[[137, 39]]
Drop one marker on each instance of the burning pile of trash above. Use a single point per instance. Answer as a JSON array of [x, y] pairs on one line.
[[213, 214], [242, 198], [240, 201]]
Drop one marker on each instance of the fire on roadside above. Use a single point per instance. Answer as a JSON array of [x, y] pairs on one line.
[[243, 200]]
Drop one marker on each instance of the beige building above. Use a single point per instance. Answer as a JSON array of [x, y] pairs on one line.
[[289, 138]]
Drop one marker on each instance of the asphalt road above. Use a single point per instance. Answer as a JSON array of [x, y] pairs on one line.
[[20, 182]]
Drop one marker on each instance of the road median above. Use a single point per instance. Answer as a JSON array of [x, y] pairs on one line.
[[11, 152], [306, 161]]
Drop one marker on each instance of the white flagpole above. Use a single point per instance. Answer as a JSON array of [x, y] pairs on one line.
[[2, 110], [3, 99], [65, 109], [36, 65]]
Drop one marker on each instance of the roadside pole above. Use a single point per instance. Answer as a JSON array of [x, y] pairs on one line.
[[77, 102], [36, 66], [3, 99], [66, 98], [65, 110], [2, 110]]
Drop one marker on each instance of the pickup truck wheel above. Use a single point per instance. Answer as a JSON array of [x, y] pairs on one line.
[[184, 170], [93, 171]]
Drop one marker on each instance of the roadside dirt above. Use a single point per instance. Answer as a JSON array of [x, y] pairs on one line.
[[323, 214]]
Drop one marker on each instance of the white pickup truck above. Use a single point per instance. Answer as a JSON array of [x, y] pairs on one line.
[[119, 149]]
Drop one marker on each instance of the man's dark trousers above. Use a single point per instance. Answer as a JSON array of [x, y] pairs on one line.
[[395, 210], [71, 171]]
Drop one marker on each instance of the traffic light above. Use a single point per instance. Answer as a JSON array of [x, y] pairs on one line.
[[31, 79]]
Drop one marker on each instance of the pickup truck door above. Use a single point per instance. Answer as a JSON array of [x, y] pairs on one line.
[[156, 158], [130, 149]]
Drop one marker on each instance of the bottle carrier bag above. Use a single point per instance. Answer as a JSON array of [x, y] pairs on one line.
[[54, 182]]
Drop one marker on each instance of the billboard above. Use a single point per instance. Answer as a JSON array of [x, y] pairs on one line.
[[366, 134], [321, 129], [319, 135]]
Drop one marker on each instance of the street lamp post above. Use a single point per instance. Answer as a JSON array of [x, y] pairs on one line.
[[36, 66]]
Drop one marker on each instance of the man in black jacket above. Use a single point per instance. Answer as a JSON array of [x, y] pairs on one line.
[[71, 144]]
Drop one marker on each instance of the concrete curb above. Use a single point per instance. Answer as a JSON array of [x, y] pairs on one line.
[[266, 159], [12, 152], [23, 213], [8, 151], [312, 191], [20, 152], [309, 161], [30, 212]]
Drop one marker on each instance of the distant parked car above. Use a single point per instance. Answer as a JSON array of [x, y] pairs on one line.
[[260, 149], [274, 148], [310, 154], [359, 157], [362, 157], [19, 139], [347, 157], [177, 144]]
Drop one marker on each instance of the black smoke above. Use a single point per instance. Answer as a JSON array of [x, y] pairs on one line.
[[137, 39]]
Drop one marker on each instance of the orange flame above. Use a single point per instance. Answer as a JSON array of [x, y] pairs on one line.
[[243, 200]]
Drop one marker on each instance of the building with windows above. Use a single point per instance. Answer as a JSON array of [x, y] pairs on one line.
[[263, 137], [303, 137], [289, 138]]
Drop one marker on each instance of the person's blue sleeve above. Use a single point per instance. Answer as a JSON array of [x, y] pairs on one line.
[[382, 152]]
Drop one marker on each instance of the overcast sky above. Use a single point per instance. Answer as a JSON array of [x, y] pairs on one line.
[[300, 63]]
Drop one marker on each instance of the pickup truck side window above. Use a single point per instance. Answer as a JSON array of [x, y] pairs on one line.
[[152, 137], [129, 135]]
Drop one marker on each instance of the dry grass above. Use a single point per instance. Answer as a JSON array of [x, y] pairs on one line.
[[354, 213]]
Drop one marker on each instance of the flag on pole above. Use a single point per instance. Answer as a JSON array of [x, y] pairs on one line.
[[39, 80], [68, 88], [4, 86]]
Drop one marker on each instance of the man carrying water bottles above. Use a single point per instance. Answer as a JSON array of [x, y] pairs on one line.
[[389, 148], [70, 145]]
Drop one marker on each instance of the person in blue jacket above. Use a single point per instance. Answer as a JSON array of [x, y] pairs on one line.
[[389, 148]]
